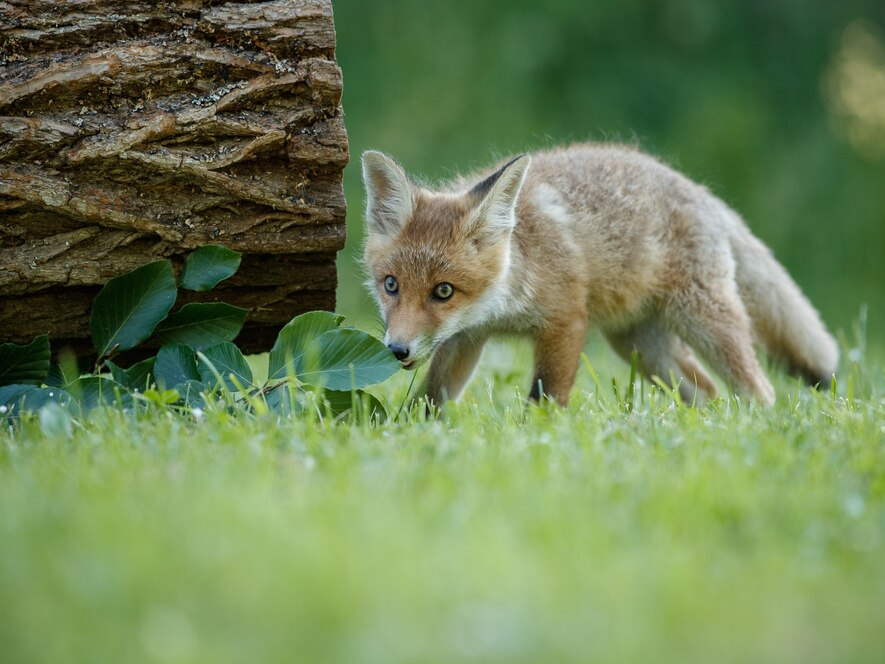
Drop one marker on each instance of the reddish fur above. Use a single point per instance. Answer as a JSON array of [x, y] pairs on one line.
[[595, 235]]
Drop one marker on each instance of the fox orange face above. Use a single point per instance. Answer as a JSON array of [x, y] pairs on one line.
[[438, 262]]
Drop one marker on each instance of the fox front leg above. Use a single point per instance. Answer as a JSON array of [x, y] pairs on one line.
[[557, 352], [451, 367]]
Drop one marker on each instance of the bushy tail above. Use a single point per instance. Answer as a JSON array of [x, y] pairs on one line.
[[783, 318]]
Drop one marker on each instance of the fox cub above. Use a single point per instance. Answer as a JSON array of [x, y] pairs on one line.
[[549, 244]]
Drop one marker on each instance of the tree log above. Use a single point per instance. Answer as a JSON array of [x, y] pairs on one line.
[[133, 130]]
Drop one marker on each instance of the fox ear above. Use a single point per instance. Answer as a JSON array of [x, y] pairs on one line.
[[494, 216], [389, 197]]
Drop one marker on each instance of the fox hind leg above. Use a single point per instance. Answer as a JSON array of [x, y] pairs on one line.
[[712, 318], [662, 353]]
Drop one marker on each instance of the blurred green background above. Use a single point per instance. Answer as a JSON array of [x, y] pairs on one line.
[[777, 105]]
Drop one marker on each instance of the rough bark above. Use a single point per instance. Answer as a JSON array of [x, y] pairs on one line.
[[132, 130]]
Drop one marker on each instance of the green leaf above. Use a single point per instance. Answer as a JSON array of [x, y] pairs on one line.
[[162, 399], [90, 392], [289, 399], [16, 399], [207, 266], [285, 399], [25, 365], [226, 359], [12, 396], [65, 371], [137, 377], [175, 365], [202, 324], [190, 393], [341, 402], [56, 421], [293, 340], [128, 308], [346, 359]]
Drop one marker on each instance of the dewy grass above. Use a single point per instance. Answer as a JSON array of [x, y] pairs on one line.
[[648, 531]]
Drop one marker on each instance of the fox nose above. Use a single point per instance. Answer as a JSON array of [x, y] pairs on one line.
[[399, 351]]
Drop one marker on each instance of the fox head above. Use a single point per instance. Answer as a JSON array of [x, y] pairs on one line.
[[437, 262]]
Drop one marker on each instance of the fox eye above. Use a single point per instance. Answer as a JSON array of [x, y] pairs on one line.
[[443, 291], [391, 285]]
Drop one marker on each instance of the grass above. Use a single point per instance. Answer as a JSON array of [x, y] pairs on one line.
[[612, 531]]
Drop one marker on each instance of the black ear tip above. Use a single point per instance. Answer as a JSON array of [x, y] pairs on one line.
[[521, 162], [482, 188]]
